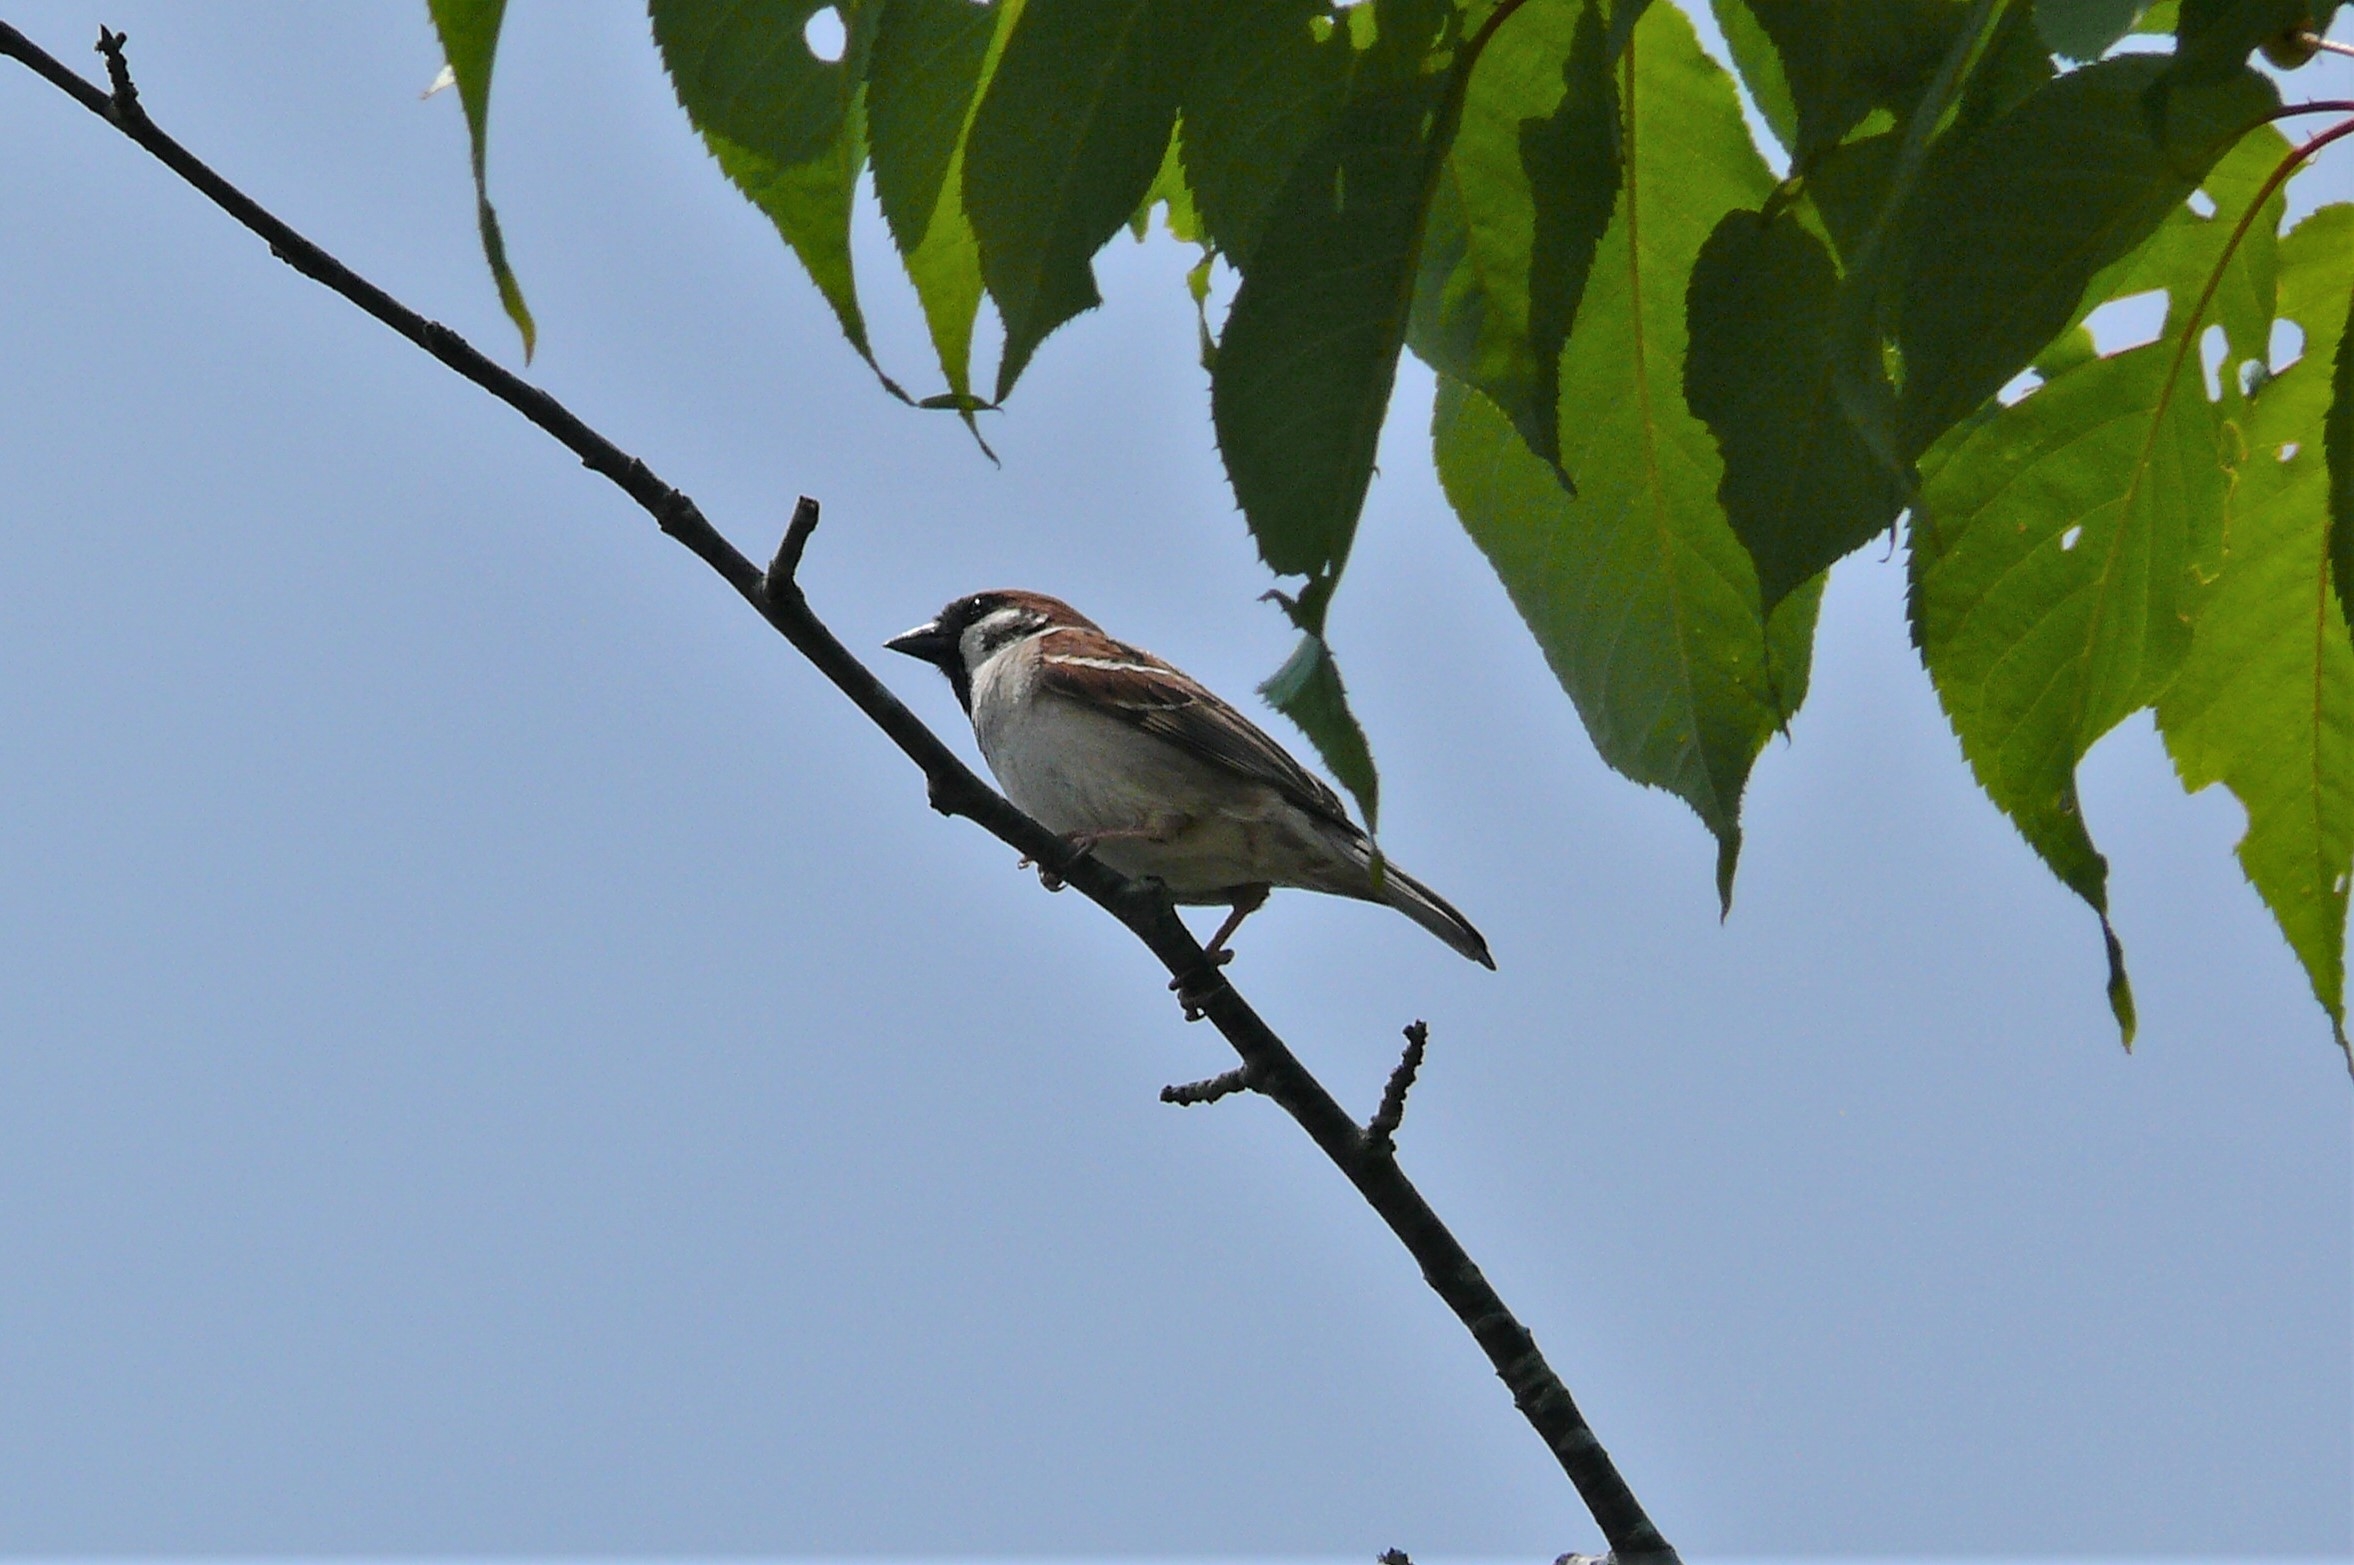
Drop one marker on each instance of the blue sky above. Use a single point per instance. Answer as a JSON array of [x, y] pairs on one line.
[[496, 1057]]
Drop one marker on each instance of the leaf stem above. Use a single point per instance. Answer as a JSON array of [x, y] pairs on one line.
[[2298, 156]]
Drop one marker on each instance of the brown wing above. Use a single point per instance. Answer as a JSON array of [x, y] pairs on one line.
[[1130, 683]]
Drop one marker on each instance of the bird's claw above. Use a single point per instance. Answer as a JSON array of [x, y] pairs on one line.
[[1046, 877], [1193, 989]]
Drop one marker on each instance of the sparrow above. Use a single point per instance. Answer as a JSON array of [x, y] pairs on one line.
[[1127, 758]]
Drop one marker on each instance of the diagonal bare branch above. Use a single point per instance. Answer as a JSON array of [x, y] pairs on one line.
[[1268, 1064]]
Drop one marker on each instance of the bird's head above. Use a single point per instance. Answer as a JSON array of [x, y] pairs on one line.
[[972, 630]]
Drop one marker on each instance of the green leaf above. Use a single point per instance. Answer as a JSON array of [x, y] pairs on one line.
[[788, 128], [1760, 67], [1307, 689], [1800, 486], [1522, 201], [469, 32], [1974, 71], [1269, 79], [930, 61], [2083, 30], [2182, 257], [2265, 702], [2005, 233], [1644, 601], [1310, 350], [2054, 592], [2338, 441], [1845, 58], [1645, 621], [924, 76], [1070, 133], [2213, 38], [1169, 192]]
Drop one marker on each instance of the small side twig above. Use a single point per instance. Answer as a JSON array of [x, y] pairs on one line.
[[787, 563], [1185, 1095], [1381, 1131], [1392, 1557], [124, 108]]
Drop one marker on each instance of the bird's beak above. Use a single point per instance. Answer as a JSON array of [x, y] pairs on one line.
[[927, 642]]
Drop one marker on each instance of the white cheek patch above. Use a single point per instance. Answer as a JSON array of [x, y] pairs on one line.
[[992, 631]]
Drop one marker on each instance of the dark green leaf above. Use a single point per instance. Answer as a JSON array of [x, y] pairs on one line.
[[2338, 440], [1845, 58], [1522, 201], [2012, 68], [2265, 702], [1642, 598], [930, 61], [2213, 38], [1800, 486], [787, 127], [1268, 81], [1310, 348], [469, 32], [923, 80], [1173, 197], [1307, 689], [2084, 30], [1070, 132], [2006, 233], [1975, 55], [1760, 67], [1850, 184]]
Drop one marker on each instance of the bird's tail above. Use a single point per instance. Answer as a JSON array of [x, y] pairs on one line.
[[1432, 911]]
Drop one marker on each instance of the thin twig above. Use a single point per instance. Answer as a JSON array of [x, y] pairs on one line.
[[1187, 1094], [788, 551], [1381, 1131], [953, 788], [125, 108]]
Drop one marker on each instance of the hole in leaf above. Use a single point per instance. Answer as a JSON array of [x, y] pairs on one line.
[[2288, 452], [2213, 349], [2019, 388], [2201, 203], [2339, 885], [825, 34], [2068, 539], [2287, 345], [2128, 322]]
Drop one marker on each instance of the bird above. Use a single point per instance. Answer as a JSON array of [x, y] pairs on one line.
[[1129, 759]]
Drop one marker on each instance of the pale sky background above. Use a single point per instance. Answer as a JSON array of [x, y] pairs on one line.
[[495, 1056]]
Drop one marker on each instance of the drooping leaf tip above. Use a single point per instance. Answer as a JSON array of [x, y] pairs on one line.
[[1308, 690], [2120, 987]]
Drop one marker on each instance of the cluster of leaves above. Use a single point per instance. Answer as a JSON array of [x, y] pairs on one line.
[[1674, 386]]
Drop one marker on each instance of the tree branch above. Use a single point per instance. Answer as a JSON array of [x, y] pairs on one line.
[[1268, 1064], [1381, 1131], [1210, 1091]]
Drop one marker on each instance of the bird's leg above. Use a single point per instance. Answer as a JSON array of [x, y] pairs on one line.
[[1244, 906], [1086, 841], [1193, 988]]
